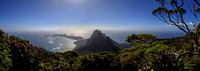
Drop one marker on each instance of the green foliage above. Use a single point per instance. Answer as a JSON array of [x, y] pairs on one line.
[[157, 49], [148, 54], [106, 54], [193, 64], [94, 62], [17, 39], [157, 56], [141, 39], [70, 54], [5, 61]]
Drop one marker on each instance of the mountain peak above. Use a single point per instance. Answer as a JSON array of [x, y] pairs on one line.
[[97, 34], [98, 42], [97, 31], [96, 37]]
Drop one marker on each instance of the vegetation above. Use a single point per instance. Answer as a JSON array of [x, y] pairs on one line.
[[148, 53], [174, 15], [140, 39], [5, 61]]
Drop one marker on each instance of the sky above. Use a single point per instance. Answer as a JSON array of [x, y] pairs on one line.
[[51, 15]]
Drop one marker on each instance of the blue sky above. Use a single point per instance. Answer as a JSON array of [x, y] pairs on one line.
[[19, 15]]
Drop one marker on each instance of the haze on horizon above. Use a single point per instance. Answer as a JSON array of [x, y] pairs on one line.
[[60, 15]]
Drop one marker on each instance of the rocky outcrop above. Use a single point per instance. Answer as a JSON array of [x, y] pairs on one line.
[[98, 42]]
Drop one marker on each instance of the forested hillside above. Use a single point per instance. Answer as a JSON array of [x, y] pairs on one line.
[[148, 53]]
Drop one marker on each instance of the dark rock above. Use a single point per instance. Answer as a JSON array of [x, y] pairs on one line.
[[98, 42]]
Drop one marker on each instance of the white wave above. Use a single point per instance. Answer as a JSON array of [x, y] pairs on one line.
[[60, 44], [50, 37], [51, 41]]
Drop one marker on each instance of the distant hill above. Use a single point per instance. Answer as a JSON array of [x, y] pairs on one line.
[[98, 42]]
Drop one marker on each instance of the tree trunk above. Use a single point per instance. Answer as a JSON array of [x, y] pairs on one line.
[[197, 45]]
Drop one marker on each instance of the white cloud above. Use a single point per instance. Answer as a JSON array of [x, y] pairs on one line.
[[190, 23]]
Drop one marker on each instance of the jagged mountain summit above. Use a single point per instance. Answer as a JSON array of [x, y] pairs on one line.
[[98, 42]]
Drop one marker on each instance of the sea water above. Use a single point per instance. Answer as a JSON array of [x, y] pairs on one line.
[[62, 44]]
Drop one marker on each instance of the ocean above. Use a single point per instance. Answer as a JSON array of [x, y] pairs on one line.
[[62, 44]]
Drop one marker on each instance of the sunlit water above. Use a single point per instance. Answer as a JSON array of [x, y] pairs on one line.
[[61, 44]]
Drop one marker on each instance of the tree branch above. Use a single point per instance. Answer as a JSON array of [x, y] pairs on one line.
[[197, 2]]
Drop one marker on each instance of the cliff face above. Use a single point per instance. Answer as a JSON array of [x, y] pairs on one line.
[[98, 42]]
